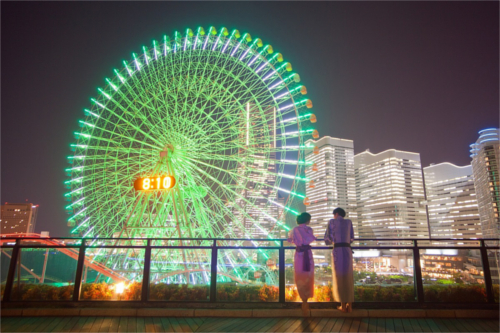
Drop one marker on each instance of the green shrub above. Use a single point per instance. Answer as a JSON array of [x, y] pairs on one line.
[[475, 293], [41, 292], [384, 294], [176, 292]]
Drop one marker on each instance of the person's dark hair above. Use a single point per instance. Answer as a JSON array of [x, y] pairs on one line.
[[339, 211], [303, 218]]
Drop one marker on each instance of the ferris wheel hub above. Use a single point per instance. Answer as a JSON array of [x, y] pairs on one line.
[[169, 149]]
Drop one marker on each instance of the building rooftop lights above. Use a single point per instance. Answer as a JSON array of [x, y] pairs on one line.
[[488, 129]]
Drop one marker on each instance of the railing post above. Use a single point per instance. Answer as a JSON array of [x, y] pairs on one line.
[[12, 271], [146, 272], [281, 267], [79, 272], [417, 272], [487, 273], [213, 273]]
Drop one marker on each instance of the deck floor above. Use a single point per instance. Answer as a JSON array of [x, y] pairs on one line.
[[177, 324]]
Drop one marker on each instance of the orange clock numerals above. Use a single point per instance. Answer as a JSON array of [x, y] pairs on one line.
[[154, 183]]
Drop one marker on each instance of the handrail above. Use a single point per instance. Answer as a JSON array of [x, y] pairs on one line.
[[37, 236], [78, 252]]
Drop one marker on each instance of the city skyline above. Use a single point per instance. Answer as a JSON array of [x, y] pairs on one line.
[[390, 198], [378, 74]]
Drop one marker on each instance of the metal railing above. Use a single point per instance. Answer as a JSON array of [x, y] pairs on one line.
[[80, 245]]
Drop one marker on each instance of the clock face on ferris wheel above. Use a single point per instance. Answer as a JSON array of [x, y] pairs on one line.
[[154, 183]]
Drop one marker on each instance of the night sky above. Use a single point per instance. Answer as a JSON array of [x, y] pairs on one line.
[[414, 76]]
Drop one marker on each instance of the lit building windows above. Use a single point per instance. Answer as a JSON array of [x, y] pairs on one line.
[[485, 156], [18, 218], [452, 204], [334, 183], [390, 192]]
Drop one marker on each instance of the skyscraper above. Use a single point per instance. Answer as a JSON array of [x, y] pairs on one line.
[[333, 185], [451, 200], [390, 192], [257, 208], [18, 218], [485, 156]]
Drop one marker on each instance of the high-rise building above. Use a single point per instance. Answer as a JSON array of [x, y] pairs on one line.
[[257, 208], [451, 201], [485, 156], [18, 218], [390, 195], [332, 181]]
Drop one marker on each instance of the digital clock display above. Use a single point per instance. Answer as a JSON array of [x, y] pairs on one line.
[[154, 183]]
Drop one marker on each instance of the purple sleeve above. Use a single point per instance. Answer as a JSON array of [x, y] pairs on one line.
[[297, 237], [352, 232]]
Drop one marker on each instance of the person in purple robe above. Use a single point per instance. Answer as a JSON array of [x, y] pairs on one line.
[[303, 263], [340, 233]]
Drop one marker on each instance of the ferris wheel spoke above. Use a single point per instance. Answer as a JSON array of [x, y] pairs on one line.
[[121, 136], [97, 212], [137, 128], [131, 105], [228, 212], [234, 193], [253, 180]]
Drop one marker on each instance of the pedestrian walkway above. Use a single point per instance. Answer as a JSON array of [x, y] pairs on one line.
[[178, 324]]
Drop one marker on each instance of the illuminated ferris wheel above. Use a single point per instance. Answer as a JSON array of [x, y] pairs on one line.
[[201, 135]]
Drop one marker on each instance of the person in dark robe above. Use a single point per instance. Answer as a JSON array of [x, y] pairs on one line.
[[340, 233]]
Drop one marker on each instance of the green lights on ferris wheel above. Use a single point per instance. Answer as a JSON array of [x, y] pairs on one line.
[[114, 142], [77, 202], [111, 84], [102, 92], [119, 76], [88, 112]]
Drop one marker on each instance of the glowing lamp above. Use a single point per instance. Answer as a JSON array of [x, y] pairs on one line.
[[120, 287]]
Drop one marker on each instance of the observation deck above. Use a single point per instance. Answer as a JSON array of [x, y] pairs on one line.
[[400, 284]]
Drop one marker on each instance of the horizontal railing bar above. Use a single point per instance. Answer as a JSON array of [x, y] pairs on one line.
[[182, 247], [261, 239], [367, 247], [116, 246], [50, 246]]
